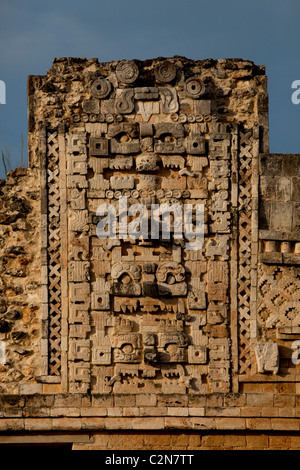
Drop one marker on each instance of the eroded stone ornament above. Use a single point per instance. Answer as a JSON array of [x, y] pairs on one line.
[[125, 104], [100, 88], [267, 356], [194, 87], [165, 72], [127, 71]]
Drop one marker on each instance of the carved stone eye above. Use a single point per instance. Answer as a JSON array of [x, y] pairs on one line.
[[100, 88], [194, 88]]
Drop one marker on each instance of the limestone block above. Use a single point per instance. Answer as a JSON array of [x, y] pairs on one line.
[[79, 313], [127, 71], [197, 163], [221, 221], [217, 271], [91, 106], [218, 246], [79, 349], [80, 371], [78, 220], [147, 182], [170, 278], [79, 271], [79, 292], [121, 163], [78, 387], [98, 165], [194, 87], [126, 277], [169, 100], [219, 349], [77, 198], [281, 216], [123, 138], [219, 169], [169, 138], [125, 304], [196, 267], [98, 146], [98, 182], [173, 161], [122, 182], [79, 331], [76, 164], [197, 354], [101, 355], [146, 130], [79, 247], [100, 88], [174, 183], [124, 103], [100, 301], [146, 163], [267, 356], [202, 107], [30, 389], [77, 181], [216, 313], [126, 347], [219, 201], [76, 142], [195, 145], [196, 300], [219, 148], [216, 292], [146, 109]]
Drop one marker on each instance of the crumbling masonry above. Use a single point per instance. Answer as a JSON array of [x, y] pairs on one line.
[[144, 339]]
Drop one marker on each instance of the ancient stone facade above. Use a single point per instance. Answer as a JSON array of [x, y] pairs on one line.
[[99, 332]]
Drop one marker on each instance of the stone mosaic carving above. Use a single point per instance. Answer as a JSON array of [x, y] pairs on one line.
[[278, 296], [146, 313]]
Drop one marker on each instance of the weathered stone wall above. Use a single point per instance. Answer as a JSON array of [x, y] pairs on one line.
[[279, 191], [100, 337], [20, 321]]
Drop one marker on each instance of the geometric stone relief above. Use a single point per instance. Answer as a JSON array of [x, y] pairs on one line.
[[245, 235], [130, 314], [52, 261], [278, 296]]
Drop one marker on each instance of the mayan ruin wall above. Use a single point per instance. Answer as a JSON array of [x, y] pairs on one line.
[[158, 335]]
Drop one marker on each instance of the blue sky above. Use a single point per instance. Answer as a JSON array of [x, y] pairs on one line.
[[33, 32]]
